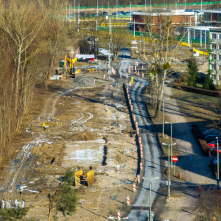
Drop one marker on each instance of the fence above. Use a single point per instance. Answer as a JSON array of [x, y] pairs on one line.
[[153, 5]]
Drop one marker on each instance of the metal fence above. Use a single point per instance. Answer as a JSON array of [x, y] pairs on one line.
[[153, 5]]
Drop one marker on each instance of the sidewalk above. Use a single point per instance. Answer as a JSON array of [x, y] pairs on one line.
[[190, 160]]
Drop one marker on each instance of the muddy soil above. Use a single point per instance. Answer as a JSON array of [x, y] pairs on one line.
[[80, 126]]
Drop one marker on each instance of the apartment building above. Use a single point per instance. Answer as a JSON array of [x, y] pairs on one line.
[[215, 54]]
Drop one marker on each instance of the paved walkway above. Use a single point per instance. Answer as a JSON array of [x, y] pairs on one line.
[[191, 159]]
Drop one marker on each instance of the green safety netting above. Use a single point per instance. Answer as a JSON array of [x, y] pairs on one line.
[[154, 5]]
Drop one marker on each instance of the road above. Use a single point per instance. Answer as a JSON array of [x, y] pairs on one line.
[[150, 146]]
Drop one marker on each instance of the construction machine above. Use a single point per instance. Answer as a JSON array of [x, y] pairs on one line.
[[69, 66], [134, 49]]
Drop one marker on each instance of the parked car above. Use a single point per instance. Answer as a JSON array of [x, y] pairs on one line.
[[211, 138], [213, 144], [186, 10], [105, 13], [114, 13], [214, 150], [211, 131]]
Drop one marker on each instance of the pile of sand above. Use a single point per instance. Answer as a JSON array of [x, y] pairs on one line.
[[84, 81], [48, 152]]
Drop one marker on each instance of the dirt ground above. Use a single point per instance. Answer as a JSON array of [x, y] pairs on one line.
[[81, 123]]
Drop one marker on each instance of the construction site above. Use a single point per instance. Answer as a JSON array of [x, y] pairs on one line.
[[84, 127]]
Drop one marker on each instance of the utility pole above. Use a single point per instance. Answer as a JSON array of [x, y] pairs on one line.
[[78, 16], [163, 112], [169, 146], [217, 163], [116, 9], [145, 5], [130, 11], [134, 28], [74, 10], [97, 7]]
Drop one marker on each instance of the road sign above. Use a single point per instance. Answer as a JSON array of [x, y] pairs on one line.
[[215, 161], [146, 83], [175, 159], [148, 213], [128, 200]]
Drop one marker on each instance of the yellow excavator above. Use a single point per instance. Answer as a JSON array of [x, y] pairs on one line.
[[71, 70]]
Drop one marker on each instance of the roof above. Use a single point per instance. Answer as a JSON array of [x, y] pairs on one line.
[[164, 12], [218, 11], [204, 28]]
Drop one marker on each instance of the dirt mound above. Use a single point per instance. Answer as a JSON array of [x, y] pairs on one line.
[[48, 153], [83, 136], [204, 68], [83, 81]]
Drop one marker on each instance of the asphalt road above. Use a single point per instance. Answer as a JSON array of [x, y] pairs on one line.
[[150, 146]]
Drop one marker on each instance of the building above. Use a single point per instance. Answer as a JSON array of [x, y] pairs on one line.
[[211, 17], [215, 54], [177, 16]]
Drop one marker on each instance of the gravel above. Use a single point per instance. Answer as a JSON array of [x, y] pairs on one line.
[[84, 81]]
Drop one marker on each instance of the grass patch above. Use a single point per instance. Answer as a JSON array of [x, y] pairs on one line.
[[196, 107]]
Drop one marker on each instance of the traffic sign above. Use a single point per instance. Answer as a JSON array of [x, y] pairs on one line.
[[215, 161], [175, 159], [148, 214], [146, 83]]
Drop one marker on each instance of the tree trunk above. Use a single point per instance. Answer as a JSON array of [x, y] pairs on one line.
[[158, 108]]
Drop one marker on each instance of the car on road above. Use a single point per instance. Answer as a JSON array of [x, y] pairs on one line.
[[114, 13], [105, 13]]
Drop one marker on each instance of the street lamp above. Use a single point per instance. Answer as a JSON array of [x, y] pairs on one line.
[[155, 178], [169, 165], [163, 99], [171, 134], [217, 163]]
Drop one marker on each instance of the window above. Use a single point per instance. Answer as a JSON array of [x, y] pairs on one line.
[[213, 36], [219, 56], [219, 67], [213, 46], [219, 36], [219, 47]]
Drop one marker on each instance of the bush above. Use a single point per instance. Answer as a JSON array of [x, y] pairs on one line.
[[68, 177], [13, 214], [196, 90], [192, 70], [201, 139], [208, 83]]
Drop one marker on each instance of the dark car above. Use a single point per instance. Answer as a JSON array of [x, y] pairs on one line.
[[211, 138], [211, 131], [114, 13], [214, 150], [105, 13]]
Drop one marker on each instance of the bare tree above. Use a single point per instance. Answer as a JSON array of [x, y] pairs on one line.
[[163, 44]]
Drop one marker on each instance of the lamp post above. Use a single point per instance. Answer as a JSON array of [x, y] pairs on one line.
[[97, 7], [217, 163], [171, 137], [169, 165], [163, 99], [155, 178]]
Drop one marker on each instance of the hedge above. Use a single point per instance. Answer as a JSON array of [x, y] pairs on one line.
[[201, 139], [196, 90]]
